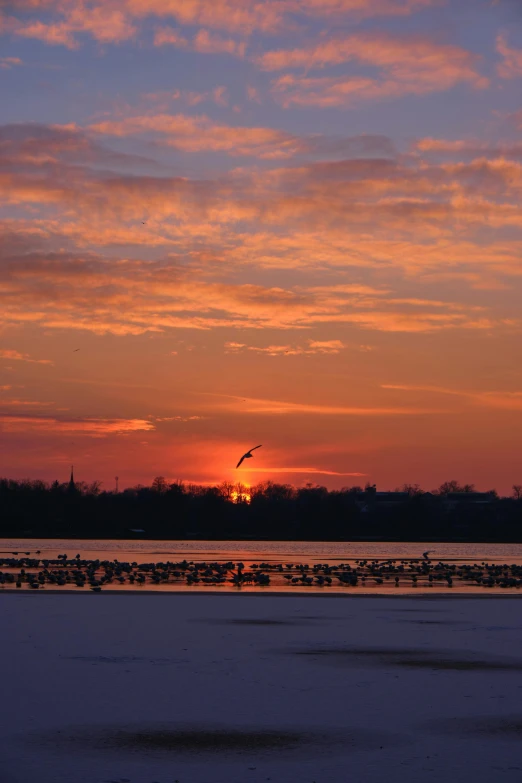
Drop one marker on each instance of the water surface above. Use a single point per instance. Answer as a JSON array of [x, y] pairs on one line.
[[272, 552]]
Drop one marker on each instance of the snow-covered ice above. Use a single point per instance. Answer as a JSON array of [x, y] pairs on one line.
[[226, 688]]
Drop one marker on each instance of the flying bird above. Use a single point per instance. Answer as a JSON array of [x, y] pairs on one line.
[[76, 349], [248, 455], [425, 554]]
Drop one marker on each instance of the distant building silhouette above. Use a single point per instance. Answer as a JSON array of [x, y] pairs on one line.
[[455, 499], [371, 500]]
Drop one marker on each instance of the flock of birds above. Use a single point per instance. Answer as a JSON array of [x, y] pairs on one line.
[[22, 570]]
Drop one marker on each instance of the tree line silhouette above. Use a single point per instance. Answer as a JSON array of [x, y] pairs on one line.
[[268, 510]]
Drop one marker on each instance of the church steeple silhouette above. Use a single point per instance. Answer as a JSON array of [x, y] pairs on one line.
[[72, 485]]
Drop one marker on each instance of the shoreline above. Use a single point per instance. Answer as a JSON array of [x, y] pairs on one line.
[[423, 595]]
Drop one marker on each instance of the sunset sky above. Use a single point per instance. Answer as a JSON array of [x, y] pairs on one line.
[[288, 222]]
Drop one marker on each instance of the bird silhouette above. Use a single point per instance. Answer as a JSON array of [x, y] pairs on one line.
[[248, 455], [76, 349], [425, 554]]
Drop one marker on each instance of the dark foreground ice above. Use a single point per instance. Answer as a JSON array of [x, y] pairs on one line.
[[222, 688]]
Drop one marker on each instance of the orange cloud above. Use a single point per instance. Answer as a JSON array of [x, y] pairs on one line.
[[326, 346], [372, 218], [178, 418], [139, 297], [314, 347], [21, 357], [96, 427]]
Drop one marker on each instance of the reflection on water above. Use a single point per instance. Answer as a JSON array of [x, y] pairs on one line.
[[269, 553]]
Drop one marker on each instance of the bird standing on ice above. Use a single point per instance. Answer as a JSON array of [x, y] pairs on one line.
[[248, 454]]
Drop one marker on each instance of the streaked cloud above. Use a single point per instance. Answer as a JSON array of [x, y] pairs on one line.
[[199, 133], [239, 406], [16, 356], [88, 426], [507, 400], [366, 8], [23, 403], [465, 149], [178, 418], [291, 470]]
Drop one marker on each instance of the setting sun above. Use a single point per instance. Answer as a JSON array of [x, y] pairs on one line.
[[241, 493]]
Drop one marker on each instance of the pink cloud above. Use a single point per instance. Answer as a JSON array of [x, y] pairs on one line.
[[116, 21], [365, 8], [169, 35], [206, 43], [7, 62], [407, 66], [253, 94], [511, 66], [194, 134], [220, 96], [103, 24]]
